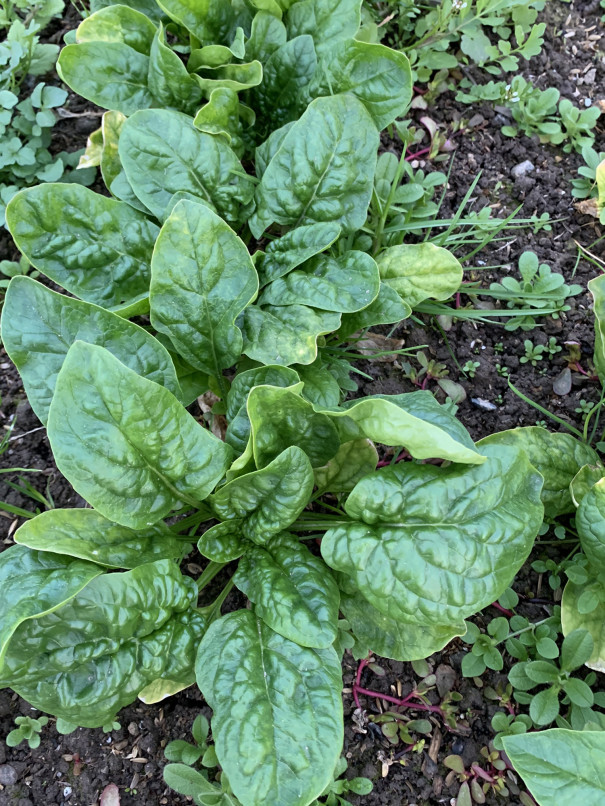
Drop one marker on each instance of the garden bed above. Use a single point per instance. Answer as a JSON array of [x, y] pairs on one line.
[[74, 769]]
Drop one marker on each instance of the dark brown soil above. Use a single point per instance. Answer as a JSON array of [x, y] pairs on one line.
[[74, 769]]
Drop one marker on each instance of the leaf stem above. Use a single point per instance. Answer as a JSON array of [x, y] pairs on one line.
[[208, 574]]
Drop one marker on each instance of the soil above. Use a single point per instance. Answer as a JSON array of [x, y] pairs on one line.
[[74, 769]]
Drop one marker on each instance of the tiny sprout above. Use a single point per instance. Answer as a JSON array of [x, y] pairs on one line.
[[471, 368], [533, 353], [28, 730]]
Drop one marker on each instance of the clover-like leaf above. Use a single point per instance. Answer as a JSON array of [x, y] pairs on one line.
[[39, 326], [163, 153], [331, 150], [92, 656], [420, 271], [293, 591], [86, 534], [345, 284], [269, 500], [432, 545], [277, 720], [34, 583], [125, 443], [558, 457], [97, 248], [202, 278]]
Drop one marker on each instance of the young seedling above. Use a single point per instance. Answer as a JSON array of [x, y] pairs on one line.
[[28, 730], [533, 353], [471, 368]]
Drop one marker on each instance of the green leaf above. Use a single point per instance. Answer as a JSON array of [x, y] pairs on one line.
[[202, 278], [590, 523], [269, 500], [288, 335], [281, 418], [328, 21], [286, 74], [344, 284], [294, 592], [277, 721], [163, 153], [596, 286], [235, 77], [541, 671], [118, 23], [207, 20], [414, 420], [168, 78], [560, 766], [238, 429], [294, 248], [223, 543], [35, 583], [186, 781], [433, 545], [334, 182], [221, 116], [576, 649], [558, 457], [320, 384], [544, 706], [267, 150], [110, 74], [86, 660], [97, 248], [579, 692], [147, 7], [420, 271], [387, 309], [378, 76], [86, 534], [39, 326], [125, 443], [354, 460], [584, 481], [390, 638], [572, 620]]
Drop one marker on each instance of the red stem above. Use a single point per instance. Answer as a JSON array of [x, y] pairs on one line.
[[405, 703], [506, 612], [417, 154]]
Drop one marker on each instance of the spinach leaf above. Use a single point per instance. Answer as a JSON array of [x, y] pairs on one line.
[[294, 248], [420, 271], [125, 443], [277, 720]]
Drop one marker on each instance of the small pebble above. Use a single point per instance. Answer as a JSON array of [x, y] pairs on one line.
[[486, 405], [522, 168], [67, 792], [8, 775]]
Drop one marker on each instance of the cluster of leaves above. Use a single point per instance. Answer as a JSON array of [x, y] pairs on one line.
[[538, 112], [451, 33], [28, 730], [27, 112]]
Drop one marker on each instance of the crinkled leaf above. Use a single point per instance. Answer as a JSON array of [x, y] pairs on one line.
[[125, 443], [277, 721], [320, 386], [110, 74], [584, 480], [97, 248], [331, 150], [560, 766], [294, 248], [269, 500], [86, 534], [288, 335], [292, 591], [202, 278], [286, 74], [432, 545], [267, 150], [399, 640], [420, 271], [387, 309], [208, 20], [163, 153], [379, 76], [590, 523], [221, 116], [86, 660], [354, 460], [39, 326], [413, 420], [168, 78], [345, 284], [238, 429], [34, 583], [281, 418], [268, 33], [596, 286], [224, 542], [558, 457], [235, 77], [328, 21]]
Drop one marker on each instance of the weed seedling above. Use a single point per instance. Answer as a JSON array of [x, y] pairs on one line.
[[470, 368], [28, 730], [533, 353]]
